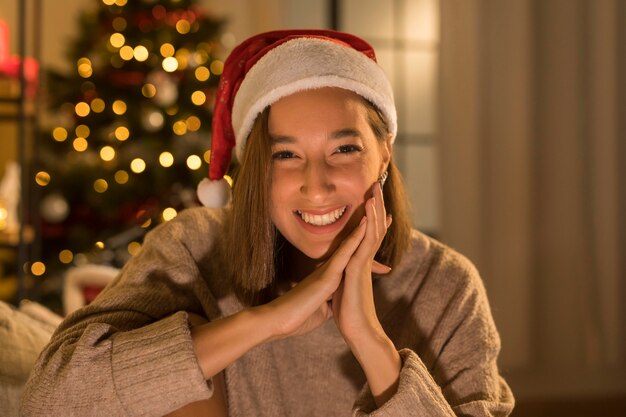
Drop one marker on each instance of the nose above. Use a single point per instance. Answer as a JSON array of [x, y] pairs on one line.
[[317, 182]]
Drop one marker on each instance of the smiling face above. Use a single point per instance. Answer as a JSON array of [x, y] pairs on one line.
[[325, 159]]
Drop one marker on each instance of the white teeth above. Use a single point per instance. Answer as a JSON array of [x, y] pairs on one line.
[[324, 219]]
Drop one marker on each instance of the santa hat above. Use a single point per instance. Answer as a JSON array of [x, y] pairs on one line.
[[273, 65]]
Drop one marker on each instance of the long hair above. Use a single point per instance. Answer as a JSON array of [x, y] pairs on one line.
[[251, 235]]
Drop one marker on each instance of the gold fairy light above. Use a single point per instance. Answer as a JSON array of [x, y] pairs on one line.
[[97, 105], [182, 56], [108, 2], [100, 185], [82, 131], [172, 110], [169, 213], [119, 24], [121, 2], [167, 50], [166, 159], [122, 133], [80, 144], [42, 178], [119, 107], [140, 53], [85, 70], [217, 67], [170, 64], [138, 165], [107, 153], [179, 127], [193, 123], [201, 56], [198, 98], [100, 245], [194, 162], [207, 156], [134, 248], [117, 40], [202, 73], [38, 268], [127, 52], [146, 224], [82, 109], [121, 177], [66, 256], [59, 134], [229, 180], [148, 90], [183, 26]]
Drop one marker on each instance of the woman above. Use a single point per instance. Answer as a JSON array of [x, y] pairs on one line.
[[303, 298]]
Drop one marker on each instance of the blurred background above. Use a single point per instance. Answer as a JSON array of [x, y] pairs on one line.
[[509, 142]]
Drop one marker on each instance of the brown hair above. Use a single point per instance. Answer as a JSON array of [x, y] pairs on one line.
[[251, 234]]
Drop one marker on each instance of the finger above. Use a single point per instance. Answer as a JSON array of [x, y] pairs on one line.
[[379, 268], [380, 209], [341, 257]]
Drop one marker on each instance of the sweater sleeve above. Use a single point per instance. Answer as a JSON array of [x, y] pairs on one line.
[[461, 378], [130, 353]]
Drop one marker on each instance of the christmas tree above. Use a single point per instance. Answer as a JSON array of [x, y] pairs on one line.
[[131, 129]]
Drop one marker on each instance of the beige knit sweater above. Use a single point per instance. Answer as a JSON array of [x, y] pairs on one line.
[[129, 353]]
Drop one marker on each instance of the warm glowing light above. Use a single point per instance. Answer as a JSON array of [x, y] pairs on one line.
[[137, 165], [156, 119], [170, 64], [80, 144], [97, 105], [166, 159], [179, 127], [82, 109], [121, 2], [108, 2], [119, 24], [146, 224], [100, 185], [59, 134], [207, 156], [85, 70], [107, 153], [167, 50], [217, 67], [119, 107], [38, 268], [148, 90], [66, 256], [182, 56], [134, 248], [169, 213], [229, 180], [117, 40], [201, 56], [202, 73], [183, 26], [99, 245], [140, 53], [193, 123], [127, 52], [122, 133], [42, 178], [194, 162], [121, 177], [198, 98], [82, 131], [172, 110]]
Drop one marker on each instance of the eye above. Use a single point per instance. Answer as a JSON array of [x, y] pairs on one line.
[[283, 155], [349, 149]]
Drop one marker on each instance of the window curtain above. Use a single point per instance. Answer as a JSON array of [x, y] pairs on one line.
[[533, 183]]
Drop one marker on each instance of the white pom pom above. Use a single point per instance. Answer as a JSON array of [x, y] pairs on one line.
[[214, 193]]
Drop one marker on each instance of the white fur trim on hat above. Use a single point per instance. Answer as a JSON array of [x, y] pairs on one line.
[[304, 64]]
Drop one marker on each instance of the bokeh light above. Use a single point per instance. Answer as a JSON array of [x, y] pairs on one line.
[[138, 165], [166, 159]]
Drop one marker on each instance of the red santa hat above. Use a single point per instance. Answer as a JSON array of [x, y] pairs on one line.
[[273, 65]]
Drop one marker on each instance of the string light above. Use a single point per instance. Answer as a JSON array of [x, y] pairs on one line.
[[97, 105], [202, 73], [117, 40], [119, 107], [134, 248], [42, 178], [167, 50], [179, 128], [119, 24], [169, 213], [84, 69], [183, 26], [122, 133], [100, 245], [217, 67], [194, 162], [137, 165], [170, 64], [127, 52], [100, 185], [172, 110], [140, 53], [108, 2], [66, 256], [38, 268], [107, 153], [80, 144], [193, 123], [182, 56], [146, 224], [59, 134], [148, 90], [121, 177], [198, 98], [82, 131], [121, 2], [82, 109], [166, 159], [207, 156]]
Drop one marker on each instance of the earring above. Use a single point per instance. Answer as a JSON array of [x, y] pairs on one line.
[[383, 178]]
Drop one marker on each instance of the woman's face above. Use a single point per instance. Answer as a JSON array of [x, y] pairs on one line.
[[325, 159]]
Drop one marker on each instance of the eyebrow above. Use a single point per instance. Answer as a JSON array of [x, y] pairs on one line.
[[338, 134]]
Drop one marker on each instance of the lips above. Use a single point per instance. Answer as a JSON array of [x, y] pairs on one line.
[[322, 219]]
